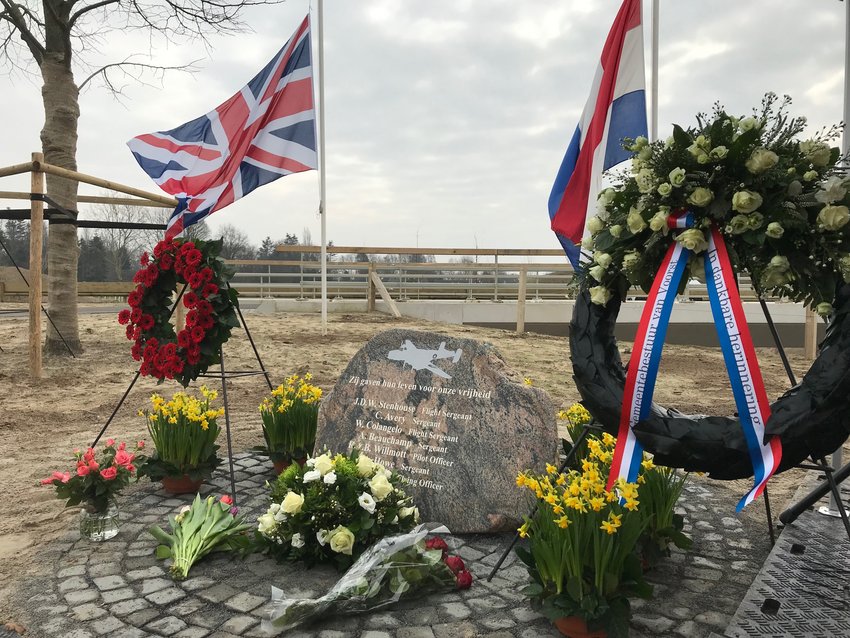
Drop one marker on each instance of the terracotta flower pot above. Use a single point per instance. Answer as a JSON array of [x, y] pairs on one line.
[[181, 485], [281, 464], [576, 627]]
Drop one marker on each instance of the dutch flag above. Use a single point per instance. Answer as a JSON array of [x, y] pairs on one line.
[[615, 109]]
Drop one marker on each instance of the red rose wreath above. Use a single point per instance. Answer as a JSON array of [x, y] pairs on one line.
[[211, 303]]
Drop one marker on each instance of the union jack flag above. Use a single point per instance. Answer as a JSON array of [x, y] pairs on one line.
[[265, 131]]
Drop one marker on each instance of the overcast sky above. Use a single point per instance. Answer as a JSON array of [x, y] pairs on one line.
[[447, 120]]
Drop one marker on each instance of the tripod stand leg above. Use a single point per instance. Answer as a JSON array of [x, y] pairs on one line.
[[769, 517], [227, 427], [566, 462], [117, 407], [251, 340]]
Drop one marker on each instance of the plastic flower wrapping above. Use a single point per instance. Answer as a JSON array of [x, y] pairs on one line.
[[333, 508], [395, 568], [779, 201]]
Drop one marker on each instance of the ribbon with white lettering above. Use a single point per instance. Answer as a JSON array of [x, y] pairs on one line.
[[741, 364], [644, 362]]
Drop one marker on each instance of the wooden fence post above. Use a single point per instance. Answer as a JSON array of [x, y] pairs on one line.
[[810, 337], [520, 301], [36, 240], [370, 288]]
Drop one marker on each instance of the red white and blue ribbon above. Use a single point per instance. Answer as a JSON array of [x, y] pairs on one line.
[[741, 364], [644, 362], [738, 353]]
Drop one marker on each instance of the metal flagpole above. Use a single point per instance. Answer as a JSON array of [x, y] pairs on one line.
[[835, 507], [653, 116], [322, 180]]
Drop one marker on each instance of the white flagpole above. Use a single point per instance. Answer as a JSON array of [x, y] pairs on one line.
[[837, 456], [322, 180], [653, 117]]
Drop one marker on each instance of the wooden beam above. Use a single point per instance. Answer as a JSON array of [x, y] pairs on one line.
[[103, 183], [15, 169], [96, 199], [810, 336], [370, 289], [383, 250], [382, 290], [36, 242], [520, 302]]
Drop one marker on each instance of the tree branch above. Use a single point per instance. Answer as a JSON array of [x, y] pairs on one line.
[[141, 66], [13, 15], [91, 7]]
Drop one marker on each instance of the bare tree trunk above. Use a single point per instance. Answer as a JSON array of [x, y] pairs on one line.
[[59, 144]]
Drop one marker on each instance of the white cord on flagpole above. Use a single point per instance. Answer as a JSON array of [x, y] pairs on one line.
[[653, 117], [322, 181]]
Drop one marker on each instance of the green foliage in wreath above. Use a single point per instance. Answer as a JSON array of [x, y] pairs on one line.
[[779, 202]]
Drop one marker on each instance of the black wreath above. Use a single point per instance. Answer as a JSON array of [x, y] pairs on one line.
[[811, 419]]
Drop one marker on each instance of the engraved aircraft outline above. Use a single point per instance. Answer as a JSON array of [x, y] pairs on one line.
[[421, 359]]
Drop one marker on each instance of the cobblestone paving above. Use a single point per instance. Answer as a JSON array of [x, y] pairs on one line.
[[118, 588]]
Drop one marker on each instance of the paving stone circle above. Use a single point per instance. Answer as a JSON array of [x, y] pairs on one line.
[[118, 588]]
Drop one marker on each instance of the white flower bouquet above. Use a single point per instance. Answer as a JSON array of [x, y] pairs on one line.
[[333, 508], [396, 567]]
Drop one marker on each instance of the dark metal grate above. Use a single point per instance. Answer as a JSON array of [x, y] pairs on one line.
[[812, 587]]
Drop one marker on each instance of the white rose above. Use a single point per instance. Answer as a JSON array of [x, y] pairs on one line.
[[600, 295], [292, 503], [380, 487], [266, 524], [322, 537], [367, 502], [330, 478], [659, 223], [594, 225], [341, 540], [810, 176], [603, 259], [310, 462], [404, 512], [718, 152], [645, 153], [677, 177], [824, 309], [587, 243], [748, 123], [761, 160], [833, 217], [297, 540], [832, 190], [701, 197], [597, 272], [664, 189], [365, 466], [746, 201], [324, 464], [616, 230], [816, 152], [312, 475], [780, 262], [635, 221], [693, 239], [640, 143], [774, 230]]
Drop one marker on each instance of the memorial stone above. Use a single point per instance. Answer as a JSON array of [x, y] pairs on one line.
[[451, 417]]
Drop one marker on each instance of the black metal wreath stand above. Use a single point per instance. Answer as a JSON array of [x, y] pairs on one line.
[[833, 477], [223, 375]]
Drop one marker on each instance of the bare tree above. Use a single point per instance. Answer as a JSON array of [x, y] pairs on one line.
[[49, 34], [124, 245], [235, 243]]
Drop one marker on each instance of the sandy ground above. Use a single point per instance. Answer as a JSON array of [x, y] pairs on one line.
[[42, 421]]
